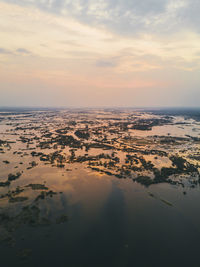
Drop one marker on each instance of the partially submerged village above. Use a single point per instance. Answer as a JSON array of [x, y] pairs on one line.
[[146, 147]]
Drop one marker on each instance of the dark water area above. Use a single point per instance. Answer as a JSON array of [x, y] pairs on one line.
[[99, 188]]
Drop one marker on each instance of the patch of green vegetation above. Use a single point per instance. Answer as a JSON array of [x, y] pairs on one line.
[[17, 199], [4, 184], [37, 187], [6, 161], [144, 180], [12, 177]]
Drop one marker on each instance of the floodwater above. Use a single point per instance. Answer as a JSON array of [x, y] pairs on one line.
[[81, 203]]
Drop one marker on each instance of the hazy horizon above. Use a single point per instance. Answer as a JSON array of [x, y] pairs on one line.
[[103, 107]]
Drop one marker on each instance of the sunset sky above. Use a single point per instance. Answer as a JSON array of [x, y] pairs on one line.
[[99, 53]]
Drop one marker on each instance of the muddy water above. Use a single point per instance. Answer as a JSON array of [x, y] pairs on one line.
[[78, 216]]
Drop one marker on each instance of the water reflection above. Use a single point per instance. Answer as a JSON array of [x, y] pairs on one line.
[[114, 197]]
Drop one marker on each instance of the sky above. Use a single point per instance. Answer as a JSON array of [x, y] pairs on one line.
[[100, 53]]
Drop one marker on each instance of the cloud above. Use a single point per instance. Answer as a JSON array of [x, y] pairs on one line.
[[23, 51], [111, 44], [5, 51], [125, 17], [189, 15], [106, 63]]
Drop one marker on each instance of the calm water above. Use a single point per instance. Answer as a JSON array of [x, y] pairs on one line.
[[110, 221]]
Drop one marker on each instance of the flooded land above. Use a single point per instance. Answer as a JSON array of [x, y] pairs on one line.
[[99, 187]]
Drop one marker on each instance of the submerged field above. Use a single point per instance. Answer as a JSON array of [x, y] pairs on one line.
[[99, 187]]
